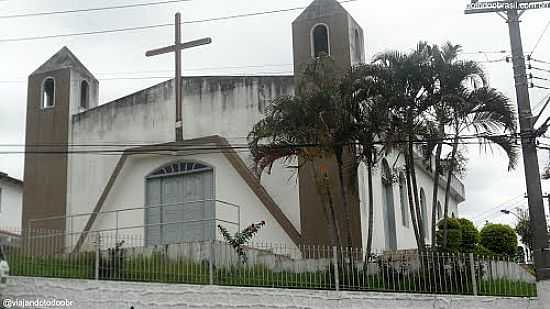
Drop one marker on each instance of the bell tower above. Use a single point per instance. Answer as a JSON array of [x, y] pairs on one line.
[[326, 28], [58, 89]]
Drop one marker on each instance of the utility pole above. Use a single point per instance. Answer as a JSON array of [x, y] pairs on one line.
[[528, 137]]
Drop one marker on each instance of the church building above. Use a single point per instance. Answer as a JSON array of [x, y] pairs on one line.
[[117, 166]]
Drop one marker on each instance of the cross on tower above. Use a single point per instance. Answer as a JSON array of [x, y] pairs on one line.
[[176, 49]]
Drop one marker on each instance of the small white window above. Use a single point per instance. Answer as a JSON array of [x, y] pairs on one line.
[[84, 94], [320, 40], [48, 93]]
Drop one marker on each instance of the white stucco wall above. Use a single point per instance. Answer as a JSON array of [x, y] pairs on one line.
[[123, 295], [11, 204], [405, 234], [230, 107], [129, 192], [225, 106]]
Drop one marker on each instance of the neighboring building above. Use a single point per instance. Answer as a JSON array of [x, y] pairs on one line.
[[11, 202], [147, 180]]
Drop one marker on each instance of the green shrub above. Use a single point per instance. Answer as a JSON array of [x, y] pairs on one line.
[[480, 250], [499, 238], [462, 236], [470, 235]]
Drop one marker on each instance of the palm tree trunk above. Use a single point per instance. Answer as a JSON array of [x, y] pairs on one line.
[[411, 201], [371, 204], [328, 209], [344, 197], [448, 191], [435, 191], [415, 194]]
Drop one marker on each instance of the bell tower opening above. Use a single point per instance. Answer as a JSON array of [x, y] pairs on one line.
[[320, 40], [84, 94], [48, 93]]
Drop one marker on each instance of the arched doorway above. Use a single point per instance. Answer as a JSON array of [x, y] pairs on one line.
[[389, 207], [179, 204]]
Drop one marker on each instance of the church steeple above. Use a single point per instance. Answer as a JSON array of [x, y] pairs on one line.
[[58, 89], [326, 27]]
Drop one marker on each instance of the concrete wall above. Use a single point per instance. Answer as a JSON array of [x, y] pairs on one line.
[[123, 295], [129, 192], [11, 203], [230, 107], [45, 190], [226, 106], [405, 234]]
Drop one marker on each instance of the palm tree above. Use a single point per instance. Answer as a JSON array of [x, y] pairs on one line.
[[371, 117], [406, 84], [315, 127], [484, 112], [460, 106]]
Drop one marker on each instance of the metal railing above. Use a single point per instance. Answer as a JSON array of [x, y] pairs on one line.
[[271, 265], [117, 220]]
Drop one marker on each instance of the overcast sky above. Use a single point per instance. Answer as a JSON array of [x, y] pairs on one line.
[[258, 45]]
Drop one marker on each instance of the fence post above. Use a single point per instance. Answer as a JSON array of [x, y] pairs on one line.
[[211, 263], [473, 273], [335, 263], [97, 254]]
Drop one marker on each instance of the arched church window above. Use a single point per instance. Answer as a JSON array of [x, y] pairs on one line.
[[320, 40], [179, 168], [84, 94], [48, 93]]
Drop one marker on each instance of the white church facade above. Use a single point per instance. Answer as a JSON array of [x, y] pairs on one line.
[[116, 167]]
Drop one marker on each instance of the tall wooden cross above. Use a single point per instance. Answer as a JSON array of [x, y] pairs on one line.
[[176, 49]]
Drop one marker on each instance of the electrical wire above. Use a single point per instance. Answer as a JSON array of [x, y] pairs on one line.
[[539, 69], [117, 7], [149, 143], [500, 206], [539, 61], [170, 77], [156, 148], [65, 35], [540, 38]]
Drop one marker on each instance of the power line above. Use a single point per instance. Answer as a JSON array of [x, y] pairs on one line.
[[538, 69], [538, 60], [484, 52], [156, 148], [44, 37], [117, 7], [148, 143], [540, 37], [282, 73]]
